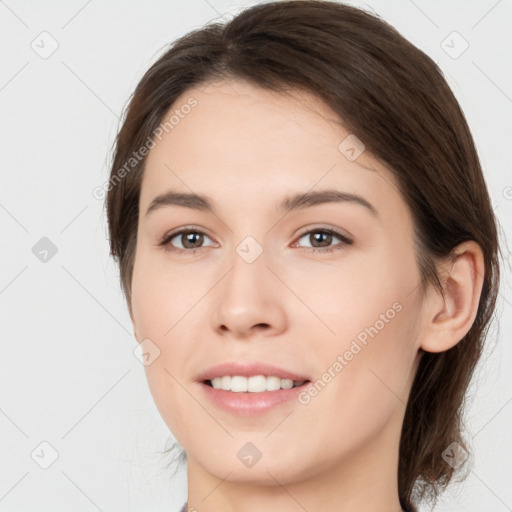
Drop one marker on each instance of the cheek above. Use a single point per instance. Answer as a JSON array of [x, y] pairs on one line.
[[163, 306], [164, 302], [163, 293], [367, 366], [363, 386]]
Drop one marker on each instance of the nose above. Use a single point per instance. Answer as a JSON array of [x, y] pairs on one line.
[[249, 301]]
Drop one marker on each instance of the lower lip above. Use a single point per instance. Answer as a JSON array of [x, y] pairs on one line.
[[250, 404]]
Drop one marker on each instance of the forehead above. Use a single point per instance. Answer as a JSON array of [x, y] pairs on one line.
[[238, 137], [234, 114]]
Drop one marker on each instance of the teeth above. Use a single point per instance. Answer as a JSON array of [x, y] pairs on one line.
[[225, 382], [255, 384], [238, 384]]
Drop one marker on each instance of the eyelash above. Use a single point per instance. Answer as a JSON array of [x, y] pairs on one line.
[[165, 241]]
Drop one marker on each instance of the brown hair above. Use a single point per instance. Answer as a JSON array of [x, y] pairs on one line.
[[395, 99]]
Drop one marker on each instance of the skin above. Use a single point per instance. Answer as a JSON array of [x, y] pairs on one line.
[[247, 148]]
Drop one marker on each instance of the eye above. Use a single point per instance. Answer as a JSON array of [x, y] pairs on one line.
[[321, 238], [189, 240]]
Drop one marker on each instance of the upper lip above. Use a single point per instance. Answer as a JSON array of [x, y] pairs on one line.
[[248, 369]]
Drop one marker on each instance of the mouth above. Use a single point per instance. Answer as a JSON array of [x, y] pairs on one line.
[[253, 384], [250, 388], [251, 396]]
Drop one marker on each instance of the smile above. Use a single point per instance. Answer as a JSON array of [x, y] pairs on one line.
[[253, 384]]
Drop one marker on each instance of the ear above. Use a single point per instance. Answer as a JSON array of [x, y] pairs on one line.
[[448, 319]]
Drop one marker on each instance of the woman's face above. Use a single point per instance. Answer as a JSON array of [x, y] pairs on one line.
[[317, 286]]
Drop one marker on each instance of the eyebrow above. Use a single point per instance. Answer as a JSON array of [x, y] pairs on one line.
[[294, 202]]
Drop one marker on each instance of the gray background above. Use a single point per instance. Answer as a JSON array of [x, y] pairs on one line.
[[68, 373]]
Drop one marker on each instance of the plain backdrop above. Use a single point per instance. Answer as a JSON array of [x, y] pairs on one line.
[[74, 396]]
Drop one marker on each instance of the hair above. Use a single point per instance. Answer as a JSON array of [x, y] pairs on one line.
[[394, 98]]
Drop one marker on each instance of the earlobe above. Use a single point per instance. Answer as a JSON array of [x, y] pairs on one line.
[[449, 318]]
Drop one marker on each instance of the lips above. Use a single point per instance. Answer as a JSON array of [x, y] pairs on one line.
[[249, 369]]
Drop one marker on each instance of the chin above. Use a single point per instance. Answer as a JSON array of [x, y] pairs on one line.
[[232, 462]]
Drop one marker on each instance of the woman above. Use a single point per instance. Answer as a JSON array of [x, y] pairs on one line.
[[309, 256]]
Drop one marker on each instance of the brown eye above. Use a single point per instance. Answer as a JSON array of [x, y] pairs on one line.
[[192, 240], [320, 237], [185, 240], [322, 240]]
